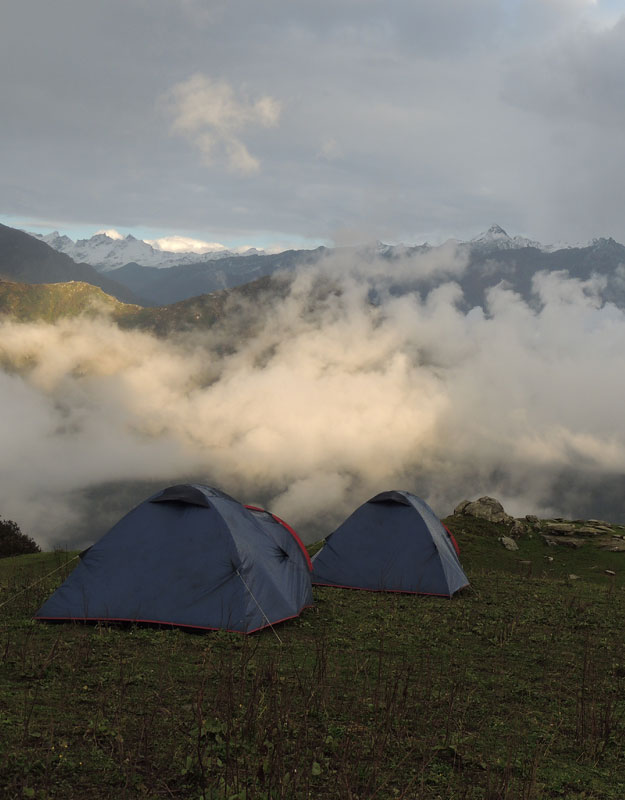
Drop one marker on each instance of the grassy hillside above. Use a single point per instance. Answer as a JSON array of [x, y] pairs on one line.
[[52, 302], [513, 689], [49, 302]]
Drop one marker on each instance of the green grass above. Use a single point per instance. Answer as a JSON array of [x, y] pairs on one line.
[[513, 689]]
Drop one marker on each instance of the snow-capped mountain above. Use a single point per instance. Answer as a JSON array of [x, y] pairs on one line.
[[495, 238], [109, 250], [106, 252]]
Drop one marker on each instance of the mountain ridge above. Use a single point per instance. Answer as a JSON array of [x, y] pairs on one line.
[[25, 259], [105, 252]]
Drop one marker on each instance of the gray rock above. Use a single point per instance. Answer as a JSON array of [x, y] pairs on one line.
[[508, 543], [567, 541], [614, 547], [587, 530], [517, 529], [573, 577], [531, 518], [459, 509], [560, 528], [484, 508]]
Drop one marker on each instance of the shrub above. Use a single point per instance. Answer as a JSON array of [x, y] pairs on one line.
[[13, 542]]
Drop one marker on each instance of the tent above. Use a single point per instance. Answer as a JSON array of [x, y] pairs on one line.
[[191, 556], [395, 543]]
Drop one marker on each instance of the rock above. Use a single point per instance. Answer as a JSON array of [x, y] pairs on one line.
[[517, 529], [586, 530], [548, 558], [564, 542], [609, 572], [484, 508], [459, 509], [560, 528], [573, 577], [531, 518], [614, 547], [508, 543]]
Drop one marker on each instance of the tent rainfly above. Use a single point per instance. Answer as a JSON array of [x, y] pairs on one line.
[[189, 556], [395, 543]]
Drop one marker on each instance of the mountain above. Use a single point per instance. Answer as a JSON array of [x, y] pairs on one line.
[[26, 302], [25, 259], [492, 257], [170, 285], [495, 238], [105, 252], [49, 302], [517, 266]]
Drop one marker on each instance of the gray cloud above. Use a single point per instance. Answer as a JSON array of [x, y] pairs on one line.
[[437, 117]]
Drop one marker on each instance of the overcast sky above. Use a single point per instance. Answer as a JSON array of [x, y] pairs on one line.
[[267, 122]]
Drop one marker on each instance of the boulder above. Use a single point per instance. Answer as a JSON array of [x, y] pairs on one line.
[[508, 543], [517, 529], [459, 509], [563, 541], [587, 530], [484, 508], [560, 528], [614, 547]]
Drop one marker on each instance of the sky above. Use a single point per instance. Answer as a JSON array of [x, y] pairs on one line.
[[282, 123]]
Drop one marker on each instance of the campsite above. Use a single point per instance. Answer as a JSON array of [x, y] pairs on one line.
[[511, 689]]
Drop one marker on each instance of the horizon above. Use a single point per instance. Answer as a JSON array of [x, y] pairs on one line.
[[202, 244]]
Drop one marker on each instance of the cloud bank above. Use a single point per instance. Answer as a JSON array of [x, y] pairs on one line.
[[184, 244], [313, 403]]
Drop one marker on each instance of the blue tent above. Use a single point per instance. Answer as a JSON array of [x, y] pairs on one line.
[[191, 556], [395, 543]]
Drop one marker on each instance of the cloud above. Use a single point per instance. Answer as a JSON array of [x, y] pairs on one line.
[[330, 149], [184, 244], [313, 403], [209, 115], [576, 79], [111, 233]]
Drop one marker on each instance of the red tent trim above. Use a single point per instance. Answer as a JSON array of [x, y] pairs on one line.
[[169, 624], [289, 529], [392, 591], [453, 540]]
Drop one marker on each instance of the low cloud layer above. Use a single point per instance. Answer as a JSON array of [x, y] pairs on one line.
[[314, 403]]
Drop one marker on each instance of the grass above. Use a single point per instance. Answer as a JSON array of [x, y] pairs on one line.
[[513, 689]]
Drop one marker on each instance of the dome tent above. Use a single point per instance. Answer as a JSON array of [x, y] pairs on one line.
[[393, 542], [190, 556]]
